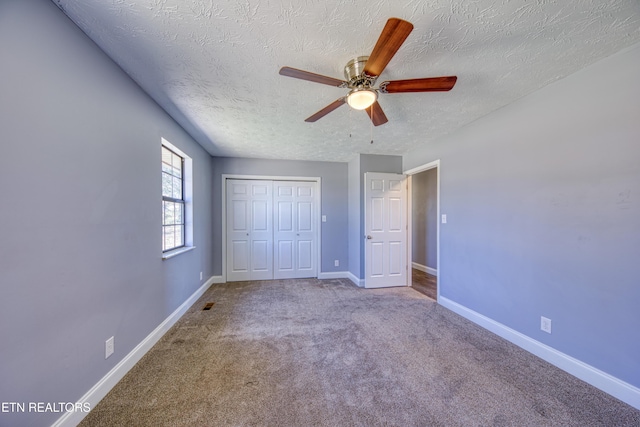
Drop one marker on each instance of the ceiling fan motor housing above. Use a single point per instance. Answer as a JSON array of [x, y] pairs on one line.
[[354, 73]]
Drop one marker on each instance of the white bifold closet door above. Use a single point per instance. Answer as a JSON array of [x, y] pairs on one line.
[[271, 229], [294, 230], [249, 230]]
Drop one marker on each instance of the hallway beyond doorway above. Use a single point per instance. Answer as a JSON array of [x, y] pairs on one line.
[[424, 283]]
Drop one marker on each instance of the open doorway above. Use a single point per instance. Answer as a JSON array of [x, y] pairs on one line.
[[424, 212]]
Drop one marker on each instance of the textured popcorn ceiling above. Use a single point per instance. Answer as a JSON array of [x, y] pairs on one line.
[[213, 65]]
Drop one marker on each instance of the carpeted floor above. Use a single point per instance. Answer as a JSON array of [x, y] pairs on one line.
[[326, 353]]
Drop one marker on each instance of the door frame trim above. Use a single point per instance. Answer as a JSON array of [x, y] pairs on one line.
[[318, 211], [427, 166]]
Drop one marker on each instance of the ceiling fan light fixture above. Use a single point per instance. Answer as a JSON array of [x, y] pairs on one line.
[[360, 99]]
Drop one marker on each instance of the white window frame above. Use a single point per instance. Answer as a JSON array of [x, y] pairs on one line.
[[187, 196]]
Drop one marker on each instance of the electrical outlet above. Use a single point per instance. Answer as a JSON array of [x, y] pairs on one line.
[[109, 347], [444, 218], [545, 324], [201, 275], [336, 263]]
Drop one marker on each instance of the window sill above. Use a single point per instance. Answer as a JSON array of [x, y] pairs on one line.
[[175, 252]]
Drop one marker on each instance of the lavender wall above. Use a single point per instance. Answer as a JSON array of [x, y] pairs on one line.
[[80, 224], [542, 199]]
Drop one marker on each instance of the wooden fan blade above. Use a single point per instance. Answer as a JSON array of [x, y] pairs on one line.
[[429, 84], [326, 110], [312, 77], [393, 35], [376, 114]]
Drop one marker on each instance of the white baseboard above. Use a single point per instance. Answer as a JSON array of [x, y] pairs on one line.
[[597, 378], [342, 275], [217, 279], [424, 268], [102, 387], [333, 275], [354, 279]]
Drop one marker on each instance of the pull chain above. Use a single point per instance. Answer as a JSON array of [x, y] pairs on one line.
[[350, 122], [371, 124]]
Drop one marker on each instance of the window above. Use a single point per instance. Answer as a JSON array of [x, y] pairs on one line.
[[177, 201], [173, 212]]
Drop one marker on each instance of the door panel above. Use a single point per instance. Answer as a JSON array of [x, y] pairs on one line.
[[377, 214], [249, 230], [395, 215], [260, 260], [377, 259], [260, 188], [305, 190], [238, 231], [240, 262], [395, 257], [239, 217], [285, 190], [294, 206], [284, 213], [261, 230], [377, 184], [260, 215], [305, 253], [386, 230], [238, 188], [305, 217], [285, 256]]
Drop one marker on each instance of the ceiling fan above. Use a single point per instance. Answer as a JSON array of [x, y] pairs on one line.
[[362, 72]]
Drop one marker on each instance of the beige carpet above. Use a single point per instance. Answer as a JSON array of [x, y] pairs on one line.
[[326, 353]]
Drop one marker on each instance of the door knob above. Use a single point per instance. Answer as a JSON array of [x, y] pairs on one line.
[[368, 237]]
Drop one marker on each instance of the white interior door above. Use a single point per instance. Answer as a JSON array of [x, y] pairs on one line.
[[294, 229], [249, 230], [385, 197]]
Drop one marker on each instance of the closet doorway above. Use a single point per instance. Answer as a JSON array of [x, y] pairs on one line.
[[271, 228]]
